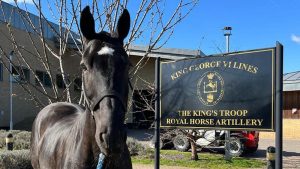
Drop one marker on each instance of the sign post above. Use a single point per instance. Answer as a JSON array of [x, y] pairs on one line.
[[157, 112], [278, 105]]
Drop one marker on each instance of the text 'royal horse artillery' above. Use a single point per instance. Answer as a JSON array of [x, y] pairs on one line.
[[64, 135]]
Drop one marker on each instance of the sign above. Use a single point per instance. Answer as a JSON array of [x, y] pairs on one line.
[[235, 91]]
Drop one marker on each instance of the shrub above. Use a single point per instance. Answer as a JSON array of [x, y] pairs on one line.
[[20, 157], [17, 159], [135, 148], [21, 139]]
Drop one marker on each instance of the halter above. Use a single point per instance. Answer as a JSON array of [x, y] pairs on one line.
[[106, 93], [94, 102]]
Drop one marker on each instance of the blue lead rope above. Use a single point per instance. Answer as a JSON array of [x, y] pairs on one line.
[[100, 161]]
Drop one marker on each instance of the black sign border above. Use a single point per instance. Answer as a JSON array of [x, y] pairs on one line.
[[273, 50]]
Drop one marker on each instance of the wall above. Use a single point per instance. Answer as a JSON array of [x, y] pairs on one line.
[[24, 109], [291, 104], [290, 130]]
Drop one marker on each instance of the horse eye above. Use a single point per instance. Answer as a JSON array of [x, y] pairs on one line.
[[83, 67]]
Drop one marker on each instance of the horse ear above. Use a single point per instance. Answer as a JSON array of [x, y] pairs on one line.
[[87, 24], [123, 25]]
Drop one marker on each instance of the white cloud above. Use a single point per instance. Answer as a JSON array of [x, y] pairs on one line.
[[295, 38], [19, 1]]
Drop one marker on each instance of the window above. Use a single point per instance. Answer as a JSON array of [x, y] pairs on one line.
[[60, 82], [1, 72], [20, 74], [44, 78], [77, 84]]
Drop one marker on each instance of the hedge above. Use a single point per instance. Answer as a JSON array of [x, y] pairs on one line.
[[17, 159], [21, 139]]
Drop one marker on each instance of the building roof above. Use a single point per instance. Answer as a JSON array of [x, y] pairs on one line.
[[19, 19], [291, 81], [165, 53], [12, 14]]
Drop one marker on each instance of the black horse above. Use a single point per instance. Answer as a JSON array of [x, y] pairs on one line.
[[64, 135]]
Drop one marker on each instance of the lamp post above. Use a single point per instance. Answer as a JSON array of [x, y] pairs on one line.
[[10, 89], [227, 33]]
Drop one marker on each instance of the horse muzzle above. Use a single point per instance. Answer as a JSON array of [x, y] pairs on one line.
[[112, 144], [111, 133]]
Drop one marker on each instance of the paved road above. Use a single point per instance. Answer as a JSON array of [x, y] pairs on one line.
[[291, 148], [291, 152]]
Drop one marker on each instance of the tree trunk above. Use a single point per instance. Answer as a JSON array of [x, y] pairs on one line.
[[194, 150]]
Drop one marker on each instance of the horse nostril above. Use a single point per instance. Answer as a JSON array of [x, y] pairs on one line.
[[104, 140], [102, 137]]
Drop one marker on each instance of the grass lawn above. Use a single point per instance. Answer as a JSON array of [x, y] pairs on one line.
[[206, 160]]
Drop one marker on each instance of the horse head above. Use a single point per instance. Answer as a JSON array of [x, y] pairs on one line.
[[105, 68]]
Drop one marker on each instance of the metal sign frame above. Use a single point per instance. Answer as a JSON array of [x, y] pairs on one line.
[[179, 92]]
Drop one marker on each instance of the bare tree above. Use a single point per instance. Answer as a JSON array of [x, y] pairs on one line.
[[192, 135], [152, 26]]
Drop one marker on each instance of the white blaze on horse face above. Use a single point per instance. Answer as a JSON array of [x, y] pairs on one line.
[[106, 51]]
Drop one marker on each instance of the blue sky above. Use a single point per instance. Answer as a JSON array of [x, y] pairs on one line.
[[256, 24]]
